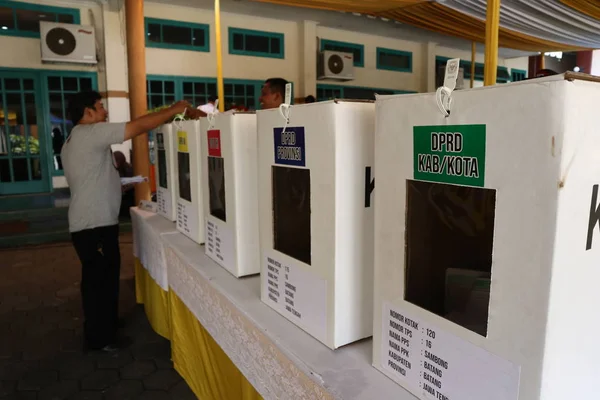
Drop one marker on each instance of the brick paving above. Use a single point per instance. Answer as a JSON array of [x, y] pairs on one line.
[[41, 355]]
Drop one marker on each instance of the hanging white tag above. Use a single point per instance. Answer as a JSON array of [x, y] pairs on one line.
[[288, 93], [451, 75], [216, 104], [443, 95]]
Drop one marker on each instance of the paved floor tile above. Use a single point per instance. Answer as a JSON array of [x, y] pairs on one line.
[[41, 356]]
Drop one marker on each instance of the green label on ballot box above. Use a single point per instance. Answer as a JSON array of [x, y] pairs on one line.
[[452, 154]]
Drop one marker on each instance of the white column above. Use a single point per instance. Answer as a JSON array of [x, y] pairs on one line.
[[429, 50], [308, 48], [115, 64]]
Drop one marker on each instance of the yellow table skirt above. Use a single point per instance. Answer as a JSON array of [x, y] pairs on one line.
[[154, 299], [196, 356], [200, 360]]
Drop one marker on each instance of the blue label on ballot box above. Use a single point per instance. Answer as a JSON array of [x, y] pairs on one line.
[[289, 146]]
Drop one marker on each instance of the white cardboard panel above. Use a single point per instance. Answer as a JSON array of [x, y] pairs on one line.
[[190, 218], [334, 140], [541, 158], [233, 243], [166, 197]]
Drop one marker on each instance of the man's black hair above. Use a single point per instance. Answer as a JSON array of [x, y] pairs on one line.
[[212, 98], [277, 85], [79, 102], [310, 99]]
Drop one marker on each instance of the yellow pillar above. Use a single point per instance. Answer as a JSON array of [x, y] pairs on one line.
[[473, 52], [492, 27], [220, 87], [138, 106]]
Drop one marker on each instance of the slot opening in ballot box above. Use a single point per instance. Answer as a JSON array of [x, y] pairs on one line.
[[449, 241]]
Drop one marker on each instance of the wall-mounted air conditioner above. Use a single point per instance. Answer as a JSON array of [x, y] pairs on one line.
[[335, 65], [68, 43]]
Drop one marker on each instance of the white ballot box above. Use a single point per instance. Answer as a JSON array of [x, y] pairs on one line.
[[166, 190], [316, 217], [487, 245], [190, 200], [230, 187]]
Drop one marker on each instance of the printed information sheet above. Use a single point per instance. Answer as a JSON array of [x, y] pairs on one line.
[[187, 219], [434, 364], [163, 200], [219, 244], [298, 295]]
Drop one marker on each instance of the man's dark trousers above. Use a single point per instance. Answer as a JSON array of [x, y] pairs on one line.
[[98, 251]]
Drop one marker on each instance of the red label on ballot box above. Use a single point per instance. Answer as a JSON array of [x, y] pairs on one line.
[[214, 143]]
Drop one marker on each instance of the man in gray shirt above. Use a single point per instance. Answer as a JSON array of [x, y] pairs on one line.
[[94, 209]]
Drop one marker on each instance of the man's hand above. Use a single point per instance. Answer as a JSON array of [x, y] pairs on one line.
[[180, 107]]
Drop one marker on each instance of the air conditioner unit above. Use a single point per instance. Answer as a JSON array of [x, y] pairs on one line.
[[68, 43], [335, 65], [460, 80]]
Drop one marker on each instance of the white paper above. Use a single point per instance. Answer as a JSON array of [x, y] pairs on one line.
[[297, 294], [219, 244], [434, 364], [132, 180], [187, 219], [164, 202]]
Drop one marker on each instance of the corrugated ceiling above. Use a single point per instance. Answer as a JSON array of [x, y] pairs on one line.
[[530, 25]]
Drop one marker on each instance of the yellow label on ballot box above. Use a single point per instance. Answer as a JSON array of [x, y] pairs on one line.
[[182, 142]]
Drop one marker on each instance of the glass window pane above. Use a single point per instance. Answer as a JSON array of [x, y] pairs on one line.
[[12, 84], [85, 84], [4, 170], [70, 84], [156, 101], [66, 18], [188, 88], [250, 90], [36, 170], [394, 60], [156, 86], [170, 87], [56, 108], [31, 110], [153, 33], [6, 18], [176, 35], [256, 43], [238, 90], [28, 84], [54, 83], [211, 88], [228, 89], [198, 39], [169, 100], [250, 103], [199, 88], [275, 46], [20, 169], [29, 20], [238, 41]]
